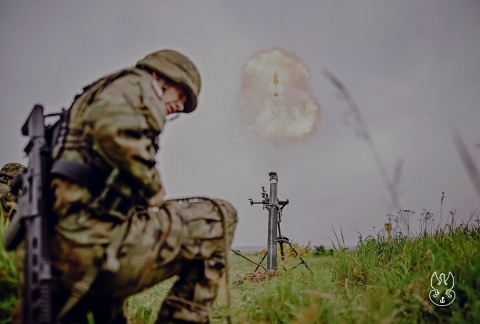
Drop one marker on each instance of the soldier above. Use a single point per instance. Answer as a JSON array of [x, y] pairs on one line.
[[114, 234], [8, 201]]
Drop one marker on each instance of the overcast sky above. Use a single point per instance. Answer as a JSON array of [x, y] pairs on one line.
[[413, 68]]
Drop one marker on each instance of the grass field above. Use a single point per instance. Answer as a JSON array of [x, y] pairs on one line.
[[381, 281]]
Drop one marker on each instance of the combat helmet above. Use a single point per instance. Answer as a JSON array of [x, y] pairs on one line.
[[9, 171], [179, 69]]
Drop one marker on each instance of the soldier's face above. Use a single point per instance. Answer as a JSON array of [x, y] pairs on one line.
[[5, 179], [174, 99]]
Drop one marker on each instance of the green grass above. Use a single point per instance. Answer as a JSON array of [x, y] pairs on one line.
[[380, 281], [8, 281]]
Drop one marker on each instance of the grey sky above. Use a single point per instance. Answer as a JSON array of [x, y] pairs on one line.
[[413, 67]]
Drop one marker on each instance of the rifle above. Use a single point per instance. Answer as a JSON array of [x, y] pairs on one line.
[[32, 220]]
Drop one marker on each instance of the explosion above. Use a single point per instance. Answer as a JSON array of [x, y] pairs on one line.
[[276, 98]]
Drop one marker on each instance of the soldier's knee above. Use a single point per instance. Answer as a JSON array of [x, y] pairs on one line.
[[229, 213], [229, 219]]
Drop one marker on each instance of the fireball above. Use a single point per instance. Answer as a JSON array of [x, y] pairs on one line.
[[276, 98]]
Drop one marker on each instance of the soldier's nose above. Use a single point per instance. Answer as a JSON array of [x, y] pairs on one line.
[[179, 106]]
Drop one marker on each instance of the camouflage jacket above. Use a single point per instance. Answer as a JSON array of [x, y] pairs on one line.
[[114, 124]]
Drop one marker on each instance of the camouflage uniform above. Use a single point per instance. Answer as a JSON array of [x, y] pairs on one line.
[[8, 202], [105, 227]]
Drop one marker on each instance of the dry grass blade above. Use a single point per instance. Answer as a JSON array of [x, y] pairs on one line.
[[467, 160], [361, 128]]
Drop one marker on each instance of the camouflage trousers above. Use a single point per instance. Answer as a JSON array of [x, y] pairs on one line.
[[187, 238]]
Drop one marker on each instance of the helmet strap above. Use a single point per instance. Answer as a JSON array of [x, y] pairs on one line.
[[156, 87]]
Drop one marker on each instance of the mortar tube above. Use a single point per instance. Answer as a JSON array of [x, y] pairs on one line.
[[272, 224]]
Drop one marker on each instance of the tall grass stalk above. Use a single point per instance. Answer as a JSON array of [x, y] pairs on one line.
[[360, 127], [467, 160]]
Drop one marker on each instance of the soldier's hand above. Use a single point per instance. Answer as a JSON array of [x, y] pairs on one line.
[[9, 201], [157, 199]]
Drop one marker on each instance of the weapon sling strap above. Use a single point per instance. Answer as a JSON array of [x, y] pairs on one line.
[[79, 290], [86, 175]]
